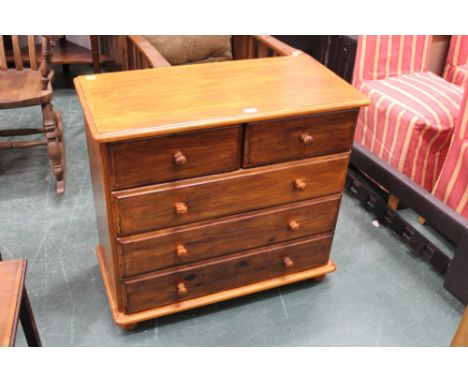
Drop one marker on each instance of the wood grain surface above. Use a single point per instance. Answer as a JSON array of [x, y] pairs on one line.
[[227, 272], [199, 241], [154, 207], [174, 157], [12, 274], [141, 103], [296, 138]]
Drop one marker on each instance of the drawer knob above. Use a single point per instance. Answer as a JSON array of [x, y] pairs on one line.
[[294, 225], [181, 290], [288, 263], [181, 208], [179, 158], [299, 184], [306, 138], [181, 250]]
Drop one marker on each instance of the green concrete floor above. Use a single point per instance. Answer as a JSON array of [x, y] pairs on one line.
[[380, 295]]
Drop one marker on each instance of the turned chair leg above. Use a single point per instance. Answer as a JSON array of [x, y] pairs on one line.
[[52, 125]]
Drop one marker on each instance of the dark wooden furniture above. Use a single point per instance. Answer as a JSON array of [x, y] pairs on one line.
[[138, 53], [68, 53], [443, 218], [461, 335], [336, 52], [215, 181], [21, 87], [14, 304]]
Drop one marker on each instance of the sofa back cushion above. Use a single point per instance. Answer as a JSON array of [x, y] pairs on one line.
[[180, 50]]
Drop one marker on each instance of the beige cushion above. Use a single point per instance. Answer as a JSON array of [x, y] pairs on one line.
[[179, 50]]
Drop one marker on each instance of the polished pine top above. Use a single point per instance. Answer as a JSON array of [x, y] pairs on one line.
[[141, 103]]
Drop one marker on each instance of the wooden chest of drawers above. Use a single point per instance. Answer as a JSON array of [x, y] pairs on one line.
[[215, 181]]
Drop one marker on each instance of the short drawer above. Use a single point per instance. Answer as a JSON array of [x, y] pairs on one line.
[[187, 201], [297, 138], [204, 278], [172, 157], [182, 245]]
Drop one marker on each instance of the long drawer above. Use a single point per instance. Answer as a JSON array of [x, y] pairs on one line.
[[182, 245], [161, 206], [216, 275], [297, 138], [179, 156]]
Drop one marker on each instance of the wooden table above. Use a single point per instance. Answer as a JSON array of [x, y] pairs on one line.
[[14, 304], [461, 336], [217, 180]]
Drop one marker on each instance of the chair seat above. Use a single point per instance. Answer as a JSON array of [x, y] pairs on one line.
[[410, 122], [22, 88], [460, 75]]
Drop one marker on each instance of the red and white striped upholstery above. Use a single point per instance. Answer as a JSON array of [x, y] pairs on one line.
[[456, 66], [413, 112], [452, 185], [380, 57]]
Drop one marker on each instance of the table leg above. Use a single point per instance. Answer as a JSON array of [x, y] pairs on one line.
[[95, 53], [28, 322]]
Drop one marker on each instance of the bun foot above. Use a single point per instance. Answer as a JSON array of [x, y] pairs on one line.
[[319, 278], [128, 327]]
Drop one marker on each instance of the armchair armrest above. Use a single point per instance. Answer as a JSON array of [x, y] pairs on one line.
[[277, 46], [140, 54]]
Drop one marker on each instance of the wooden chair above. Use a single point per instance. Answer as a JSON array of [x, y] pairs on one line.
[[138, 53], [21, 87]]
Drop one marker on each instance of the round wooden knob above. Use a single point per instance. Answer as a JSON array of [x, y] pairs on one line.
[[294, 225], [288, 262], [306, 138], [181, 289], [181, 250], [299, 184], [179, 158], [181, 208]]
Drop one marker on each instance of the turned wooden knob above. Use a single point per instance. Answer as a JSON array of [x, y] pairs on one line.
[[181, 250], [294, 225], [288, 262], [181, 289], [306, 138], [181, 208], [299, 184], [179, 158]]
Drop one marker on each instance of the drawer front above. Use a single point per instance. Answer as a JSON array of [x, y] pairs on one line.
[[297, 138], [174, 157], [162, 206], [184, 283], [182, 245]]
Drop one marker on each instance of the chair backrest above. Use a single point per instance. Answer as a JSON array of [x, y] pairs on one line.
[[48, 44], [452, 185], [19, 62], [380, 57], [457, 55]]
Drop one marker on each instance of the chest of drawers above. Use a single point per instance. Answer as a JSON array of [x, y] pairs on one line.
[[215, 181]]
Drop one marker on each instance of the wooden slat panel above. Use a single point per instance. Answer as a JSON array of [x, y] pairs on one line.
[[3, 63], [32, 52], [17, 52]]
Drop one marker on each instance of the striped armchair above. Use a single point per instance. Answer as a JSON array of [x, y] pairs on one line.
[[452, 185], [456, 66], [412, 115]]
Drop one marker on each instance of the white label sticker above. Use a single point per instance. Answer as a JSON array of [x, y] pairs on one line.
[[90, 77], [250, 110]]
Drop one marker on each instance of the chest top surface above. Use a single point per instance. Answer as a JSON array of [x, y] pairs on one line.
[[142, 103]]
